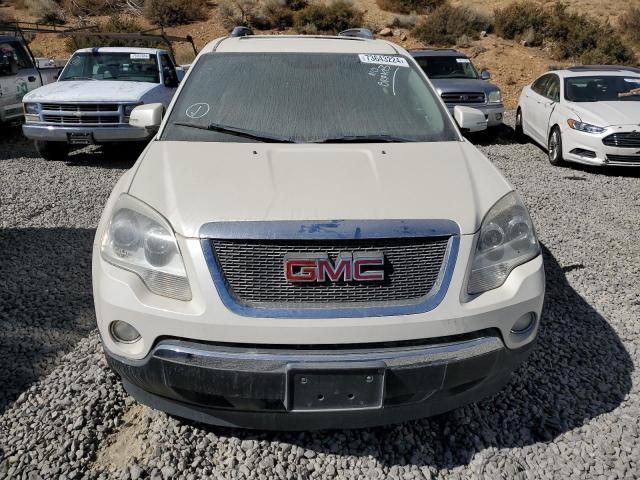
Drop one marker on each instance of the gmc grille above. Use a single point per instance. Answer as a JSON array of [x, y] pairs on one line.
[[253, 271], [86, 119], [463, 97], [80, 107], [623, 140]]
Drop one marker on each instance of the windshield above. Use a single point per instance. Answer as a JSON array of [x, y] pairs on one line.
[[131, 67], [447, 67], [602, 89], [307, 98]]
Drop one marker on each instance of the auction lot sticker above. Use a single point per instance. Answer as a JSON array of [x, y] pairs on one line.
[[383, 60]]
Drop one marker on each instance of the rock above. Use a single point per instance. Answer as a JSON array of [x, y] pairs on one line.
[[385, 32]]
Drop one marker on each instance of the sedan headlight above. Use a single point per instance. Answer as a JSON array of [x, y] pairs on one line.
[[507, 239], [31, 108], [495, 97], [584, 127], [140, 240]]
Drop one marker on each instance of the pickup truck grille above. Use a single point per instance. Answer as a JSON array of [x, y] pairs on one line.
[[80, 107], [253, 272], [623, 140], [463, 98], [87, 119], [82, 113]]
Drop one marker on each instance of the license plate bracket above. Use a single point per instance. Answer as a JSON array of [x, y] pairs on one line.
[[80, 138], [335, 388]]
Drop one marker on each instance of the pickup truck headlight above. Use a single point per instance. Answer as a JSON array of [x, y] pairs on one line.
[[584, 127], [129, 108], [140, 240], [31, 108], [507, 239], [495, 97]]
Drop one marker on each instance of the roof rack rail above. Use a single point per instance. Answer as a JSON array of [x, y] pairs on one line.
[[240, 31], [432, 49], [357, 32], [603, 68]]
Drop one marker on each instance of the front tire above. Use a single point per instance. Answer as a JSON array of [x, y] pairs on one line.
[[52, 150], [519, 132], [554, 147]]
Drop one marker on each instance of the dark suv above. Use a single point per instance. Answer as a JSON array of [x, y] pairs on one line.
[[458, 82]]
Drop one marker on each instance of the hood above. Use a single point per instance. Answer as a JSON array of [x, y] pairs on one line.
[[606, 114], [90, 91], [446, 85], [191, 184]]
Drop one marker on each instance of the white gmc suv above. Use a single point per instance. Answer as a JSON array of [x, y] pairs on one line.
[[309, 242]]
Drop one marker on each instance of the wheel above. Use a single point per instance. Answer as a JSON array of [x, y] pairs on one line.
[[52, 150], [555, 147], [518, 130]]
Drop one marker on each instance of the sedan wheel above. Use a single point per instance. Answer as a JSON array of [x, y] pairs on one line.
[[555, 147]]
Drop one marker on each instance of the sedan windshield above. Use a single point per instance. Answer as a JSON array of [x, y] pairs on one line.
[[602, 89], [307, 98], [122, 66], [447, 67]]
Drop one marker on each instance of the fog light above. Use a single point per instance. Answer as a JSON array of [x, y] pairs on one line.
[[498, 116], [524, 323], [123, 332]]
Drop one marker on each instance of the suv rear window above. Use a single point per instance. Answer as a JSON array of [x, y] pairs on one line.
[[306, 98]]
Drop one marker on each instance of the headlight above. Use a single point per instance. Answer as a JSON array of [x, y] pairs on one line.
[[507, 239], [584, 127], [129, 108], [495, 97], [138, 239], [31, 108]]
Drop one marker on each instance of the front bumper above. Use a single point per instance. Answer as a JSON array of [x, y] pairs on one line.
[[589, 149], [276, 388], [493, 113], [85, 134]]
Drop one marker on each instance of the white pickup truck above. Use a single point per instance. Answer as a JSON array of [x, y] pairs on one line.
[[19, 74], [94, 96]]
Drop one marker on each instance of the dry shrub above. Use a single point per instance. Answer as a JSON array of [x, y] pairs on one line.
[[238, 12], [408, 6], [630, 25], [119, 23], [333, 17], [174, 12], [276, 14], [46, 11], [447, 24], [571, 35], [403, 21]]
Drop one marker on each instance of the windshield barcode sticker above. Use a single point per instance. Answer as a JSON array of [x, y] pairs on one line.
[[463, 60], [139, 56], [383, 60]]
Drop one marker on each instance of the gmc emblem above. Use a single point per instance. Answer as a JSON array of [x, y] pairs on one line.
[[348, 267]]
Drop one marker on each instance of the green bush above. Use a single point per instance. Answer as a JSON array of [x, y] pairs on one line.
[[274, 14], [448, 23], [408, 6], [330, 18], [570, 35], [174, 12]]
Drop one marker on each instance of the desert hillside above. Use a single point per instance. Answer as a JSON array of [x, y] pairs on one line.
[[512, 62]]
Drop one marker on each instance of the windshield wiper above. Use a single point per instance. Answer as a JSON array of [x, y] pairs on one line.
[[239, 132], [77, 78], [365, 139]]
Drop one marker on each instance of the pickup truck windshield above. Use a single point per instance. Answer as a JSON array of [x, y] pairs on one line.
[[447, 67], [602, 89], [122, 66], [307, 98]]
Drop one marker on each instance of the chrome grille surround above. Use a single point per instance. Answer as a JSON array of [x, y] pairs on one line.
[[246, 261], [461, 98], [96, 114], [623, 140]]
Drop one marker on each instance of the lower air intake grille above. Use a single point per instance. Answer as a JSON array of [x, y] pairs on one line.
[[253, 271]]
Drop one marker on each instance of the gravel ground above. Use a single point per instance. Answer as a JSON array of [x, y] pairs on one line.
[[572, 411]]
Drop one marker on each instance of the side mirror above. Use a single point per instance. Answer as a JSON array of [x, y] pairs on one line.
[[170, 79], [484, 74], [147, 116], [469, 119]]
